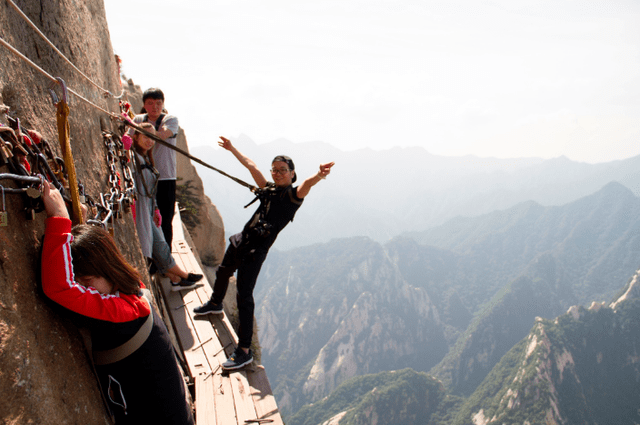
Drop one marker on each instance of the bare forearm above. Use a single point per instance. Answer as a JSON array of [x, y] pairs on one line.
[[305, 186], [245, 161]]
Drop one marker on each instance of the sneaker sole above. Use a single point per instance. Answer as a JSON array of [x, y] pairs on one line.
[[208, 312], [234, 367], [182, 288]]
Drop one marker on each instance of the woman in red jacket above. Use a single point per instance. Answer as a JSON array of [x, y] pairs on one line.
[[83, 271]]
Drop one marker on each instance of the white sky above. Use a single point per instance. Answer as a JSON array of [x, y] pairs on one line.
[[503, 78]]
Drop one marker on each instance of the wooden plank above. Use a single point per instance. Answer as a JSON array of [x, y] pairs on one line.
[[187, 256], [263, 399], [202, 324], [222, 398], [245, 409], [176, 224], [187, 337], [180, 246], [205, 402], [224, 402], [226, 335]]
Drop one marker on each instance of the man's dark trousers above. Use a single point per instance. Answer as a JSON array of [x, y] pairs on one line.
[[248, 265]]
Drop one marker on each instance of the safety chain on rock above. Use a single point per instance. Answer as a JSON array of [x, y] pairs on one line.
[[117, 199], [31, 159], [22, 152]]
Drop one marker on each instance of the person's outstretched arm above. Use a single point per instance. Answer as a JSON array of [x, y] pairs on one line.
[[305, 186], [258, 177]]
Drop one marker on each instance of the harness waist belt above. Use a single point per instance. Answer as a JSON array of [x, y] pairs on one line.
[[120, 352]]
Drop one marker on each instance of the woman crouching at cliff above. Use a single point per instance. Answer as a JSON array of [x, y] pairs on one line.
[[83, 271]]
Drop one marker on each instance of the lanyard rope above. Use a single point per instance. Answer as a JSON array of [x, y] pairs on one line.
[[50, 77], [125, 121], [187, 154], [106, 92]]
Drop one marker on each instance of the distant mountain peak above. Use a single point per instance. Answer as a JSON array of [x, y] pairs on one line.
[[609, 192], [616, 187]]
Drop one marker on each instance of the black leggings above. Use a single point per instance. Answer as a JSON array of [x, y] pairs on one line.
[[248, 266]]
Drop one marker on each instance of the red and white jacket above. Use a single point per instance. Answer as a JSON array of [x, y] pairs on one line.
[[144, 387], [59, 285]]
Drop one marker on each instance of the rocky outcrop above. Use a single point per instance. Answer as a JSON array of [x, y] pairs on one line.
[[582, 367], [45, 375], [353, 308], [394, 397], [631, 290], [208, 231]]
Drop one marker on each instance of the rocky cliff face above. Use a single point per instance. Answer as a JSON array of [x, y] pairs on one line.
[[345, 313], [397, 397], [583, 367], [45, 376], [207, 230], [332, 311]]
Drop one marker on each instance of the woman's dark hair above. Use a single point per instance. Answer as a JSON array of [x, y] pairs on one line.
[[95, 253]]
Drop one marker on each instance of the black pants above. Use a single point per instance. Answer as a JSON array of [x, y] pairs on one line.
[[239, 257], [166, 200]]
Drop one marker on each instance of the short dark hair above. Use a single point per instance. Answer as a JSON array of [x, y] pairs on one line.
[[94, 253], [289, 162], [152, 93]]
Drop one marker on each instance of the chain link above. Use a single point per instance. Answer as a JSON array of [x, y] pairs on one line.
[[116, 199]]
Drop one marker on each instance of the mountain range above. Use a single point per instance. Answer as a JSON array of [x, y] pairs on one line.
[[380, 194], [450, 301], [582, 367], [476, 314]]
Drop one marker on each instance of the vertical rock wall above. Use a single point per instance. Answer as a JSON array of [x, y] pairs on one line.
[[45, 376]]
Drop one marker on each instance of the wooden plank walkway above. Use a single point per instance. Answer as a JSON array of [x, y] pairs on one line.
[[221, 398]]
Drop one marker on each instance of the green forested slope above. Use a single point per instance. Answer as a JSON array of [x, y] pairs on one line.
[[352, 307]]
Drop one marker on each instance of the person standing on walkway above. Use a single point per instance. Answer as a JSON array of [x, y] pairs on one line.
[[166, 127], [279, 201], [152, 242]]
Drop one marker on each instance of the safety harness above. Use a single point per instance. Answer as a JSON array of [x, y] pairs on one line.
[[103, 357], [258, 226]]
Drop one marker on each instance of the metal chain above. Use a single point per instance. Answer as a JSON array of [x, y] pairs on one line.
[[116, 199]]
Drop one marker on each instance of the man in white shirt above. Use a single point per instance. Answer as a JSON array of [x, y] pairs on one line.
[[165, 158]]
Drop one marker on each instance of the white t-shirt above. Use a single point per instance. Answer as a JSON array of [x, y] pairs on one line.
[[164, 157]]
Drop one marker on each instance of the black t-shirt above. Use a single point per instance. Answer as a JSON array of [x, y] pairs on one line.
[[277, 208]]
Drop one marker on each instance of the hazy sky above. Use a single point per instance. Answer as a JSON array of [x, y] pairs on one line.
[[504, 78]]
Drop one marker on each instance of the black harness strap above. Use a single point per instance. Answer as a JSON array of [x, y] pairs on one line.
[[265, 195], [156, 125]]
